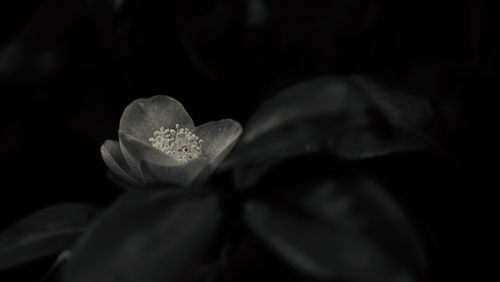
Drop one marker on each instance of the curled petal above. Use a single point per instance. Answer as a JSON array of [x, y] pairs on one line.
[[134, 168], [144, 116], [135, 151], [219, 138], [115, 161]]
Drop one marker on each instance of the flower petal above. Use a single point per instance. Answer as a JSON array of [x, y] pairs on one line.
[[144, 116], [134, 168], [183, 175], [115, 161], [137, 151], [219, 138]]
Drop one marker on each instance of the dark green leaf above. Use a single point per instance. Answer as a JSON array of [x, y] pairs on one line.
[[44, 233], [345, 229], [147, 236], [349, 118]]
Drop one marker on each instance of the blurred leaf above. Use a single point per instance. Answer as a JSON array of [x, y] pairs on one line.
[[106, 12], [202, 27], [343, 229], [250, 259], [147, 236], [268, 39], [350, 118], [37, 51], [44, 233], [117, 22]]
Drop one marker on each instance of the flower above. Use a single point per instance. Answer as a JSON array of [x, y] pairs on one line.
[[158, 143]]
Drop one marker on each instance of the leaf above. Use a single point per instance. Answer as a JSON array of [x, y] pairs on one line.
[[250, 259], [44, 233], [37, 52], [342, 229], [350, 118], [147, 236]]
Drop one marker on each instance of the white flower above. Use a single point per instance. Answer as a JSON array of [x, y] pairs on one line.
[[158, 143]]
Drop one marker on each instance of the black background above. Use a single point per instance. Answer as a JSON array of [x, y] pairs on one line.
[[67, 70]]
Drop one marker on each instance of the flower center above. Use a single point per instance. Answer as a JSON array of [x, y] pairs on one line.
[[179, 143]]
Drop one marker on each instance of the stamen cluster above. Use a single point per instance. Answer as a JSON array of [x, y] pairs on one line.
[[179, 143]]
